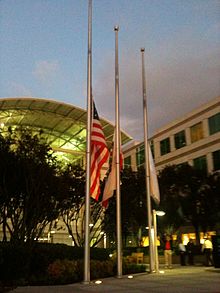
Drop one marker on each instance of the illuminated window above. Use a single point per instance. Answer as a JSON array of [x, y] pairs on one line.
[[216, 160], [196, 132], [165, 146], [200, 163], [180, 139], [214, 124]]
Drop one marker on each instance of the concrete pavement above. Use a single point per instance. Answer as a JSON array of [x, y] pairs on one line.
[[177, 280]]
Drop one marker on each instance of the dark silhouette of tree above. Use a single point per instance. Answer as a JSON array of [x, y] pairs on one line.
[[73, 207], [187, 197], [133, 207], [35, 190], [29, 185]]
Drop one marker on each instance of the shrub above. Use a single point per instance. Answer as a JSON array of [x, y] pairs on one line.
[[70, 271], [63, 271], [14, 264], [101, 269], [54, 264], [132, 268]]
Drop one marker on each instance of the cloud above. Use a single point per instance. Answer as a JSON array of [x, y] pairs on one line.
[[16, 89], [175, 86], [45, 71]]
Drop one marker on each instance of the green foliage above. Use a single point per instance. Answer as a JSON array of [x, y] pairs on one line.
[[189, 197], [133, 206], [73, 207], [29, 185], [19, 264], [101, 269], [55, 264], [132, 268], [69, 271], [63, 271]]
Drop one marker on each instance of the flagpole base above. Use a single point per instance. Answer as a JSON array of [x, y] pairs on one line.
[[86, 282]]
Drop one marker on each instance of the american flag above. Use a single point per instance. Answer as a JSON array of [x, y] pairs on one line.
[[99, 154]]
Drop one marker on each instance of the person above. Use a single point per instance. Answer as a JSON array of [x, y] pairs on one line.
[[182, 252], [207, 250], [168, 252], [190, 252]]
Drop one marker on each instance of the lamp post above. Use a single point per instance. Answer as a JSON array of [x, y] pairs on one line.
[[155, 214]]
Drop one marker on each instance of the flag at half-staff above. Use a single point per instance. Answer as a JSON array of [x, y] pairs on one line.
[[110, 184], [154, 187], [99, 154]]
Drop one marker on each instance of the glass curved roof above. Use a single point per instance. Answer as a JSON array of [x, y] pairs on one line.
[[63, 125]]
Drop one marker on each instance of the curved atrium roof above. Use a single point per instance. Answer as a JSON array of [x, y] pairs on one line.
[[63, 125]]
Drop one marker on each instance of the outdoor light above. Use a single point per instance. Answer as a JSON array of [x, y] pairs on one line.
[[160, 213], [98, 282], [110, 255], [130, 277], [91, 225]]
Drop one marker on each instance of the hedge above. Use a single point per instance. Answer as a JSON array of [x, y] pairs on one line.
[[55, 264]]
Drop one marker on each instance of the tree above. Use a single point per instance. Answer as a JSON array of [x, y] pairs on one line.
[[133, 207], [73, 207], [29, 185], [187, 197], [7, 160]]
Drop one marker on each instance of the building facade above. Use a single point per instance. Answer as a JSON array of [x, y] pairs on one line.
[[193, 139]]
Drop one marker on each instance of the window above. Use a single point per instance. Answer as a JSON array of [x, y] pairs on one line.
[[127, 162], [214, 124], [196, 132], [216, 160], [140, 156], [180, 139], [165, 146], [200, 163]]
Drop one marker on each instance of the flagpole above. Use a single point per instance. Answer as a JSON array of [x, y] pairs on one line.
[[118, 194], [88, 148], [149, 214]]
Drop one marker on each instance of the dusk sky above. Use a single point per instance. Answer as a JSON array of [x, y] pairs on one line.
[[43, 53]]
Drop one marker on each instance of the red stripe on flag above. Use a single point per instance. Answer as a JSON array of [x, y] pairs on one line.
[[99, 155]]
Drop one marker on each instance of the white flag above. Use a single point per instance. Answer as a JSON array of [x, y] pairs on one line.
[[154, 187], [110, 185]]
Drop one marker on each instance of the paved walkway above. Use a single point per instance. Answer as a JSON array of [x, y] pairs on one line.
[[177, 280]]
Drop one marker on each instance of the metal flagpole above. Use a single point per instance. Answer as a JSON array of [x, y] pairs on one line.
[[151, 257], [118, 194], [88, 148], [156, 263]]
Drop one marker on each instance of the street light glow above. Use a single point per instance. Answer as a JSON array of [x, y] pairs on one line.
[[160, 213]]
